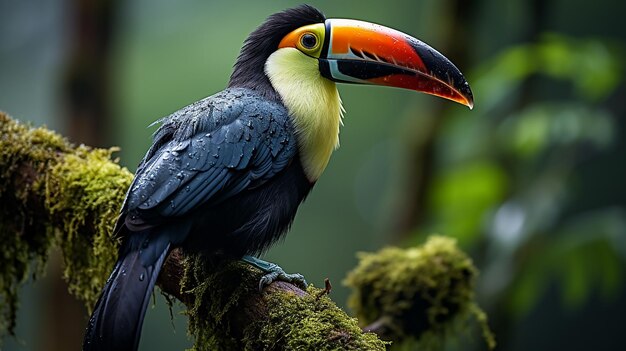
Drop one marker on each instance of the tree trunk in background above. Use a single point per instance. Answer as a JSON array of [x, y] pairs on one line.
[[64, 318], [86, 95], [421, 160], [87, 81]]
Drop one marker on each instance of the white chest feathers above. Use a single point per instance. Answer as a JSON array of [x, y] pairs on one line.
[[314, 104]]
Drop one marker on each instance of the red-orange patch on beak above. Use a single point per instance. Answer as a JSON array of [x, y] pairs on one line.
[[367, 53], [374, 41], [426, 85]]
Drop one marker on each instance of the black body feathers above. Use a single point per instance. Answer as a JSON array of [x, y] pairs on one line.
[[222, 175], [118, 315]]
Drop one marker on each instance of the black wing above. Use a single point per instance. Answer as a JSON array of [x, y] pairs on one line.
[[208, 152]]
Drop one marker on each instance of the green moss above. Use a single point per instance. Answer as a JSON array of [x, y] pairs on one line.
[[24, 241], [53, 193], [83, 195], [420, 292], [309, 323], [293, 323], [217, 287]]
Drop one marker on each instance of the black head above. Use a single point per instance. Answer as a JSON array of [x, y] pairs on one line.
[[249, 71]]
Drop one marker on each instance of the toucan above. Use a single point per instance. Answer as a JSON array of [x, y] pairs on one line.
[[226, 174]]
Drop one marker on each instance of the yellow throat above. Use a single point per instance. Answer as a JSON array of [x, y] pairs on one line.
[[314, 104]]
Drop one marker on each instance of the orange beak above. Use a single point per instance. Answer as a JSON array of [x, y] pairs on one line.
[[366, 53]]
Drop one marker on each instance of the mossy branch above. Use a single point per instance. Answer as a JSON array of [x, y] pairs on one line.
[[53, 193]]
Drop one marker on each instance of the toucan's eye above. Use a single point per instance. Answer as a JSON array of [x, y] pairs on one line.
[[308, 41]]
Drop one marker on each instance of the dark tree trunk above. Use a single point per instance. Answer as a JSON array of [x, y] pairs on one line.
[[86, 96]]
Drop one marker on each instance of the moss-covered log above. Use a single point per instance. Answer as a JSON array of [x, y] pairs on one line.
[[53, 193]]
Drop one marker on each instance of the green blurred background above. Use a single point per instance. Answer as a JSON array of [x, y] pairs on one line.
[[532, 182]]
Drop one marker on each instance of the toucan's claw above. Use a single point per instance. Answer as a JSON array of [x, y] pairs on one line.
[[279, 274], [274, 273]]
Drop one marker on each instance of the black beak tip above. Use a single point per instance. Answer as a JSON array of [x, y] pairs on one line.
[[442, 68], [466, 92]]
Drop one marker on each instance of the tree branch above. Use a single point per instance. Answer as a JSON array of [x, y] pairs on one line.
[[53, 193]]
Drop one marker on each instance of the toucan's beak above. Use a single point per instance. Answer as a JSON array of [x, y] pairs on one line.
[[362, 52]]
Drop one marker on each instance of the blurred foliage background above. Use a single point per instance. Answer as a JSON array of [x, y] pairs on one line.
[[531, 182]]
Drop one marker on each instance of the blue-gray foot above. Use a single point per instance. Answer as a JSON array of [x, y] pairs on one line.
[[274, 272]]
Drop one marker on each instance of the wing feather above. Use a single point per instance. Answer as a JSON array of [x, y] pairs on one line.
[[209, 151]]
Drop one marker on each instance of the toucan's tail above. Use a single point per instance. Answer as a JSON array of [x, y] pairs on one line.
[[118, 315]]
